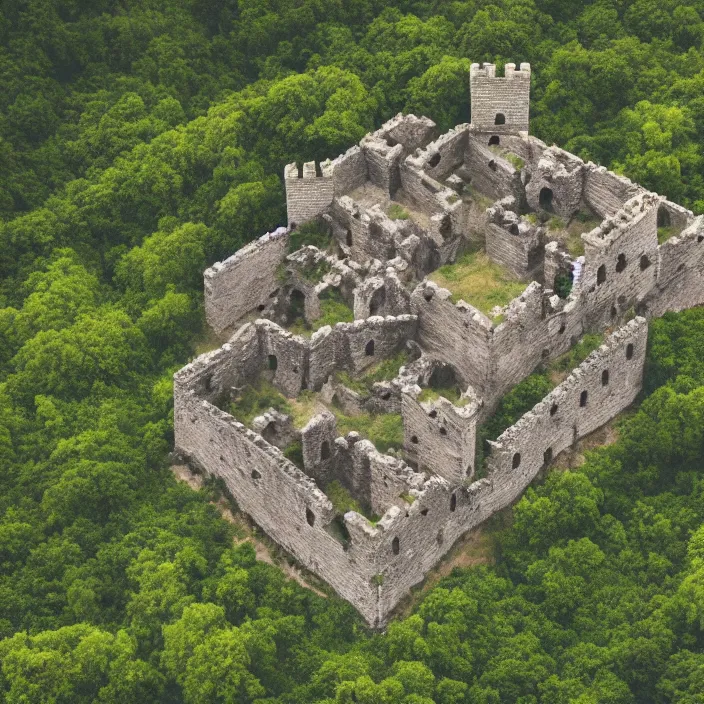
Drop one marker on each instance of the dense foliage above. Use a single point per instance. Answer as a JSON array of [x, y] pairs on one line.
[[142, 140]]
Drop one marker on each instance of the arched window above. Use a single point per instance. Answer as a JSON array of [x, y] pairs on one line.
[[348, 238], [583, 399], [545, 198], [325, 450], [605, 377], [395, 547], [369, 349], [434, 160], [453, 502], [273, 362], [629, 351], [644, 262], [494, 139], [663, 217], [601, 275], [310, 517], [500, 119], [620, 263], [516, 463]]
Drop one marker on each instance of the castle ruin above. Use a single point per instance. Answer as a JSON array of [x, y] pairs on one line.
[[588, 250]]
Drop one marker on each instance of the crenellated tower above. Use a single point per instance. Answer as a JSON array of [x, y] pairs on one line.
[[500, 105]]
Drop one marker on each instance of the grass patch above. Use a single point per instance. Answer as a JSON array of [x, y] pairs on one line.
[[304, 407], [314, 272], [664, 233], [383, 371], [341, 499], [384, 430], [255, 400], [313, 233], [477, 280], [568, 361], [397, 212], [333, 310], [451, 393], [294, 453], [515, 160]]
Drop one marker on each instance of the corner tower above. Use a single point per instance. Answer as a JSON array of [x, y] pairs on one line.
[[500, 105]]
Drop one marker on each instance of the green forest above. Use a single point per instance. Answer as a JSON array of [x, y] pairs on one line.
[[141, 141]]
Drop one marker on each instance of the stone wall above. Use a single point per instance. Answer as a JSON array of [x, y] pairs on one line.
[[557, 182], [621, 260], [257, 475], [349, 171], [458, 334], [680, 281], [440, 437], [441, 512], [491, 174], [244, 282], [605, 192], [492, 96], [601, 387], [309, 192]]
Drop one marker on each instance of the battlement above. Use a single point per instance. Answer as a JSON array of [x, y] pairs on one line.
[[352, 332], [500, 104]]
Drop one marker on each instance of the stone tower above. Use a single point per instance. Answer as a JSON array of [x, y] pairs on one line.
[[309, 190], [500, 105]]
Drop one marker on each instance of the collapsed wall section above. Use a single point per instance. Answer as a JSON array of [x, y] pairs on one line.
[[244, 282]]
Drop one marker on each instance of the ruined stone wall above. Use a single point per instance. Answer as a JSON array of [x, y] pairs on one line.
[[458, 334], [680, 281], [491, 174], [310, 194], [365, 233], [601, 387], [519, 251], [258, 476], [244, 281], [383, 163], [430, 526], [440, 437], [605, 192], [492, 96], [349, 171], [290, 353], [620, 260], [441, 157], [386, 335], [557, 183]]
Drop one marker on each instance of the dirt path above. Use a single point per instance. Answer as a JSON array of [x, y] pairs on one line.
[[263, 551]]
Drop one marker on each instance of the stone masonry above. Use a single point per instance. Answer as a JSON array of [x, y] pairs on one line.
[[402, 203]]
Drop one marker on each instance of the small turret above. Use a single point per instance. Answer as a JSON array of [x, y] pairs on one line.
[[309, 190], [500, 105]]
